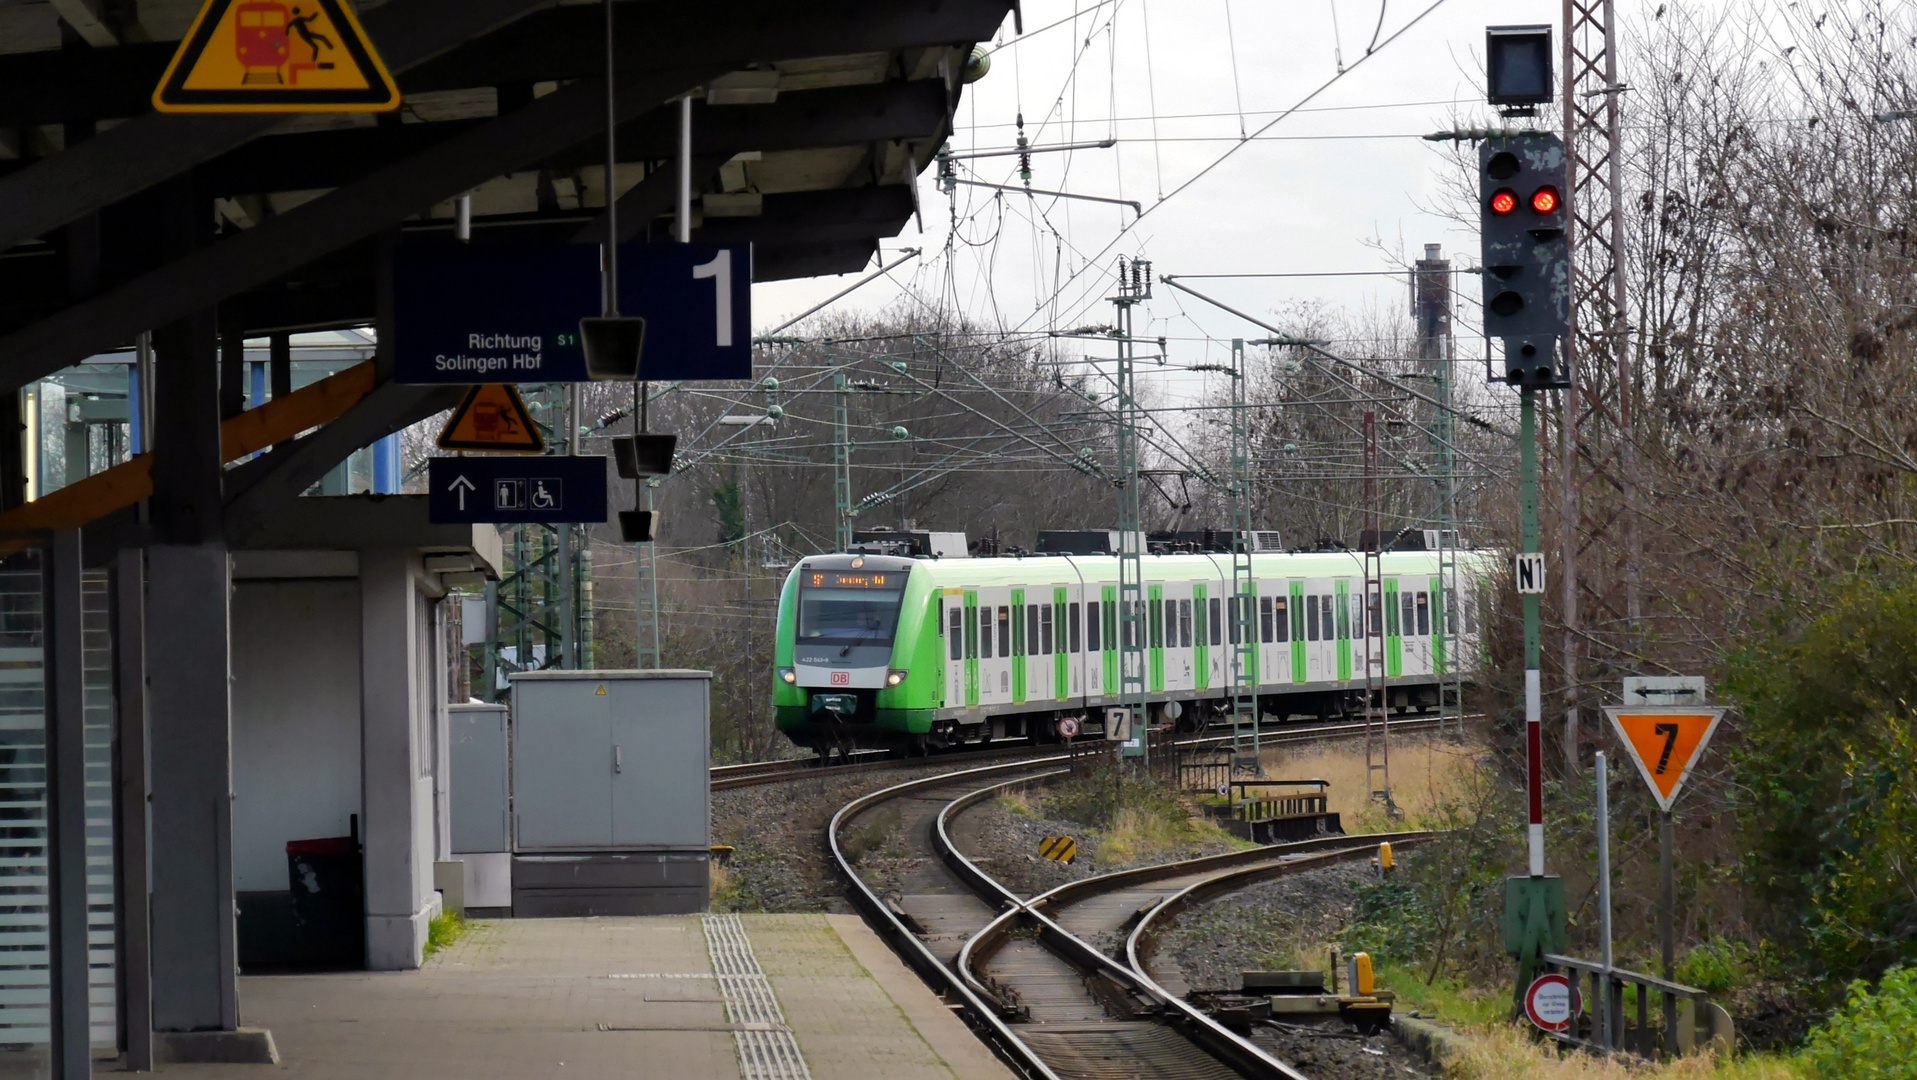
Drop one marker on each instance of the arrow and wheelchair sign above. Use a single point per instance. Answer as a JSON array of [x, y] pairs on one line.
[[517, 490]]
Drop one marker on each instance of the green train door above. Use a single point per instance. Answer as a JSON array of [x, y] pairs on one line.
[[1298, 668], [1341, 611], [1108, 666], [1155, 618], [971, 647], [1061, 642], [1201, 643], [1018, 645], [1394, 638]]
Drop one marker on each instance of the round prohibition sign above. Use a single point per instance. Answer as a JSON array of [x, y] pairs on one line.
[[1551, 1002], [1068, 727]]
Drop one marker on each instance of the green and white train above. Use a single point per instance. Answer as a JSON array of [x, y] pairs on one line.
[[917, 653]]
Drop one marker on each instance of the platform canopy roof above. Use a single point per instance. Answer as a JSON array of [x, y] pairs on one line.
[[811, 121], [503, 100]]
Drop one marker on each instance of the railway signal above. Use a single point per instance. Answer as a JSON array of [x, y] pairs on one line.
[[1527, 253]]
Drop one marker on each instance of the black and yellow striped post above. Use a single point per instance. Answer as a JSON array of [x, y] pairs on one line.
[[1058, 848]]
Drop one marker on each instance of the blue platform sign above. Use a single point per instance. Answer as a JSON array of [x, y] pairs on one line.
[[494, 313], [517, 490]]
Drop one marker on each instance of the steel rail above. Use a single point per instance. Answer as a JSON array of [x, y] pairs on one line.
[[1137, 942], [981, 1017], [1214, 1038], [751, 773]]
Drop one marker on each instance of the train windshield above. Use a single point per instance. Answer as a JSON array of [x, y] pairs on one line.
[[849, 608]]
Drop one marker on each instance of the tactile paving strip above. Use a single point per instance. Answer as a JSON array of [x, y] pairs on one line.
[[767, 1050]]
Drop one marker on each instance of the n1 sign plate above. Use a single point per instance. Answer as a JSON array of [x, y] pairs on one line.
[[491, 313], [517, 490]]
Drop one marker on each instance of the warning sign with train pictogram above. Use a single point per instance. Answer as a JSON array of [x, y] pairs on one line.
[[492, 417], [276, 56]]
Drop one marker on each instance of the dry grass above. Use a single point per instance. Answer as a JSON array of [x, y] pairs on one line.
[[1426, 772], [1017, 801], [1506, 1052]]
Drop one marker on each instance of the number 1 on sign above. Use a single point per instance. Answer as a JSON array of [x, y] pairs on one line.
[[720, 271]]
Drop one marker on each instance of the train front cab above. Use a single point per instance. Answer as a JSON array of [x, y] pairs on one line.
[[849, 642]]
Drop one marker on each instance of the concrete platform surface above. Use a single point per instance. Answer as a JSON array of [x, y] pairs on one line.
[[620, 997]]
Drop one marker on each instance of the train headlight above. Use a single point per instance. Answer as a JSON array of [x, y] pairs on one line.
[[789, 676], [896, 676]]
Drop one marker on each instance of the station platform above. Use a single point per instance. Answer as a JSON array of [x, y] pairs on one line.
[[678, 996]]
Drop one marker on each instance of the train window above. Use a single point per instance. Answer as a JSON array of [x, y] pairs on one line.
[[1111, 624], [1199, 628], [1045, 630], [957, 636], [1311, 618], [971, 633], [1264, 619], [1391, 617], [985, 633], [1424, 615], [1280, 618], [1338, 616], [1217, 621], [1091, 626], [1031, 629], [1156, 631], [1451, 611], [1071, 623], [1372, 615], [1184, 624], [1470, 614], [1231, 619], [1408, 603], [1004, 630], [1018, 629]]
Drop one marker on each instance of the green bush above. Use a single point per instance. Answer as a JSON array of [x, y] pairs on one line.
[[1827, 779], [1718, 966], [1874, 1036]]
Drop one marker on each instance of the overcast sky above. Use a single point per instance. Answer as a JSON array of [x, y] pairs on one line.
[[1314, 194]]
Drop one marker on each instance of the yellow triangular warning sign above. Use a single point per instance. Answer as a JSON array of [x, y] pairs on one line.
[[1666, 743], [493, 417], [276, 56]]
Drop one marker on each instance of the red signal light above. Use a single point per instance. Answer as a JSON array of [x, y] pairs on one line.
[[1504, 201], [1545, 200]]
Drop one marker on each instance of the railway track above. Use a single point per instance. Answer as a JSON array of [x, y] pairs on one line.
[[774, 772], [1052, 1004]]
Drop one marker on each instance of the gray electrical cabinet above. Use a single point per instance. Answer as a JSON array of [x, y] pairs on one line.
[[611, 799], [480, 796], [480, 805]]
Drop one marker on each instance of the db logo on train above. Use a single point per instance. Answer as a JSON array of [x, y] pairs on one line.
[[841, 678]]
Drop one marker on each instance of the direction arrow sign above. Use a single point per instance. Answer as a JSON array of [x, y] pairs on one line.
[[471, 313], [1665, 742], [275, 56], [517, 490]]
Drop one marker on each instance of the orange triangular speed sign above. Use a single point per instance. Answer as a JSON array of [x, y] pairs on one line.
[[1665, 742], [276, 56], [492, 417]]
